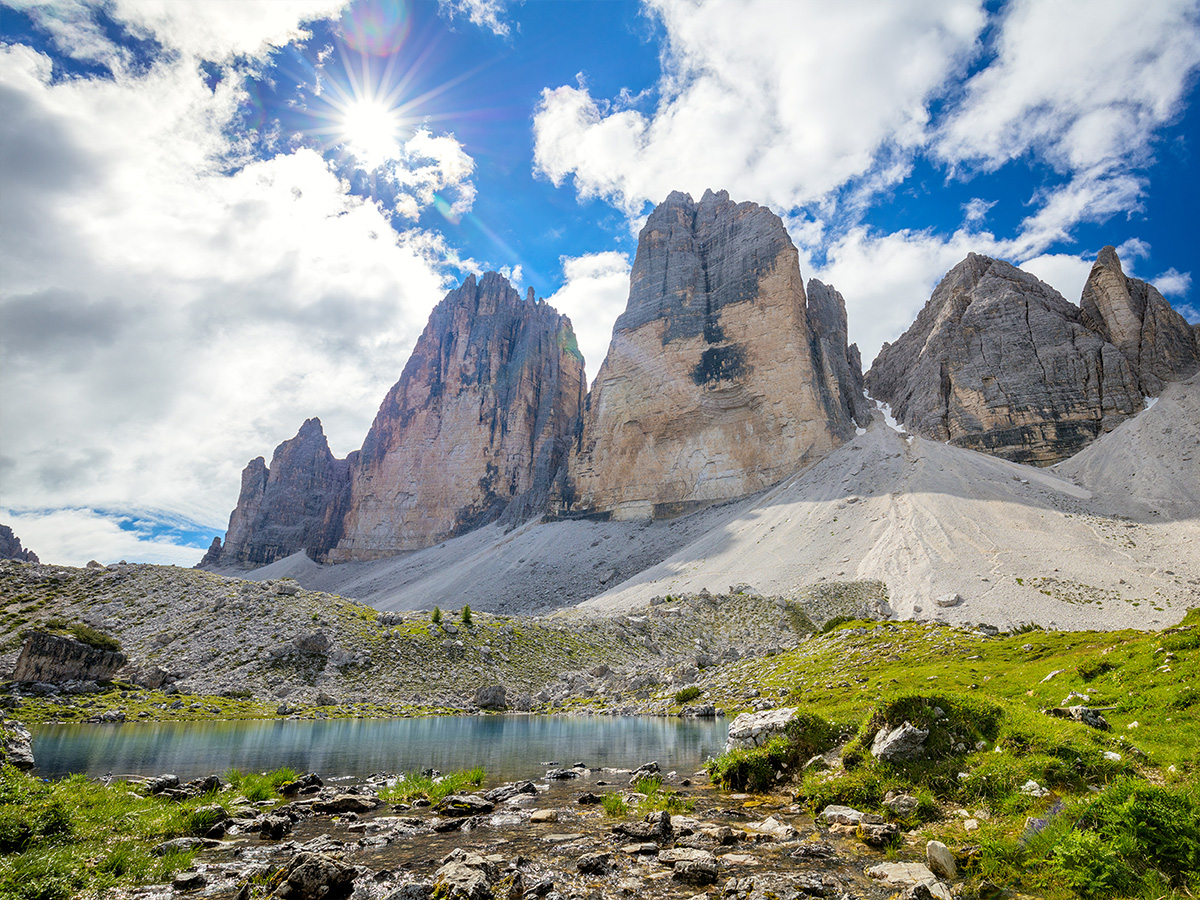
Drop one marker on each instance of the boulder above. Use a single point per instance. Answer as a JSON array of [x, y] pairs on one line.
[[900, 743], [346, 803], [1092, 718], [464, 805], [16, 745], [491, 696], [315, 876], [757, 729], [940, 860], [56, 659], [464, 876]]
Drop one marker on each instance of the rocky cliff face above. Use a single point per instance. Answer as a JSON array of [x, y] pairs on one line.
[[55, 658], [1158, 342], [296, 504], [10, 547], [481, 420], [999, 361], [716, 383]]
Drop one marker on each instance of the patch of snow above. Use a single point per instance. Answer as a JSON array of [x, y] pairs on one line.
[[888, 418], [860, 431], [1149, 401]]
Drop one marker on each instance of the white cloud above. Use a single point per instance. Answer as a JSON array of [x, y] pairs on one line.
[[753, 100], [165, 321], [594, 293], [433, 170], [215, 31], [1173, 283], [487, 14], [74, 537], [1084, 83], [977, 209]]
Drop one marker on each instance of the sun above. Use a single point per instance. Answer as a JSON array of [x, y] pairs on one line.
[[371, 130]]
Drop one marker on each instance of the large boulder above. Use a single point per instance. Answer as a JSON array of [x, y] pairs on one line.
[[315, 876], [16, 745], [56, 659], [757, 729]]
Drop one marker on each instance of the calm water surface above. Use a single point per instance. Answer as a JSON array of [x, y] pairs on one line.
[[508, 747]]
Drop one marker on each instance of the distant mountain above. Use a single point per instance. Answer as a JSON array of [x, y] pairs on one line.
[[722, 376], [999, 361], [725, 376], [10, 547]]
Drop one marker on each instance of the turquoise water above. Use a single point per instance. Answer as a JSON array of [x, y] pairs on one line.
[[508, 747]]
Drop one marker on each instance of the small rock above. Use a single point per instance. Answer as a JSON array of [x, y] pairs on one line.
[[594, 863], [940, 860], [544, 815], [900, 743]]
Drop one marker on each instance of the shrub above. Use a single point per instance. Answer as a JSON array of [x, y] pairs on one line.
[[1091, 668], [436, 617], [686, 694], [88, 635], [466, 614], [1134, 834], [757, 769]]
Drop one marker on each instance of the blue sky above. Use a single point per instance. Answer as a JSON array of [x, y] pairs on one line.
[[220, 219]]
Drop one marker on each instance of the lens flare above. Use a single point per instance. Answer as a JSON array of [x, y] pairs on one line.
[[378, 27]]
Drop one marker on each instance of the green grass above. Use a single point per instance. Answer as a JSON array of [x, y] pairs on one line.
[[414, 786], [62, 839], [615, 806], [1120, 818], [655, 799], [256, 787]]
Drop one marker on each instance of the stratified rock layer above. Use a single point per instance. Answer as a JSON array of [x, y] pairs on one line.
[[481, 419], [297, 504], [998, 361], [10, 547], [715, 383], [1158, 342]]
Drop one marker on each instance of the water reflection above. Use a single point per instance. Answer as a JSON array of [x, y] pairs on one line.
[[508, 747]]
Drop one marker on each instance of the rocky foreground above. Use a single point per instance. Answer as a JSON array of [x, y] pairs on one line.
[[550, 838]]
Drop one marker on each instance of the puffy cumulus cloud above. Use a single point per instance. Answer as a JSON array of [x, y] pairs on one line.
[[754, 100], [487, 14], [165, 320], [74, 537], [1084, 83], [1173, 283], [214, 31], [595, 289], [434, 171]]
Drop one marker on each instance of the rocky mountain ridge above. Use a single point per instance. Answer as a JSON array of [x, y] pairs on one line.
[[725, 375], [999, 361], [10, 546]]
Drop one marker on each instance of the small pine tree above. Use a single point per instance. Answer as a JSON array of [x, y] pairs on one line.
[[466, 615], [437, 615]]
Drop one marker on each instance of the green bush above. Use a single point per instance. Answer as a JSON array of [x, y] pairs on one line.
[[1091, 668], [756, 769], [466, 614], [98, 639], [436, 617], [1133, 835], [688, 693]]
